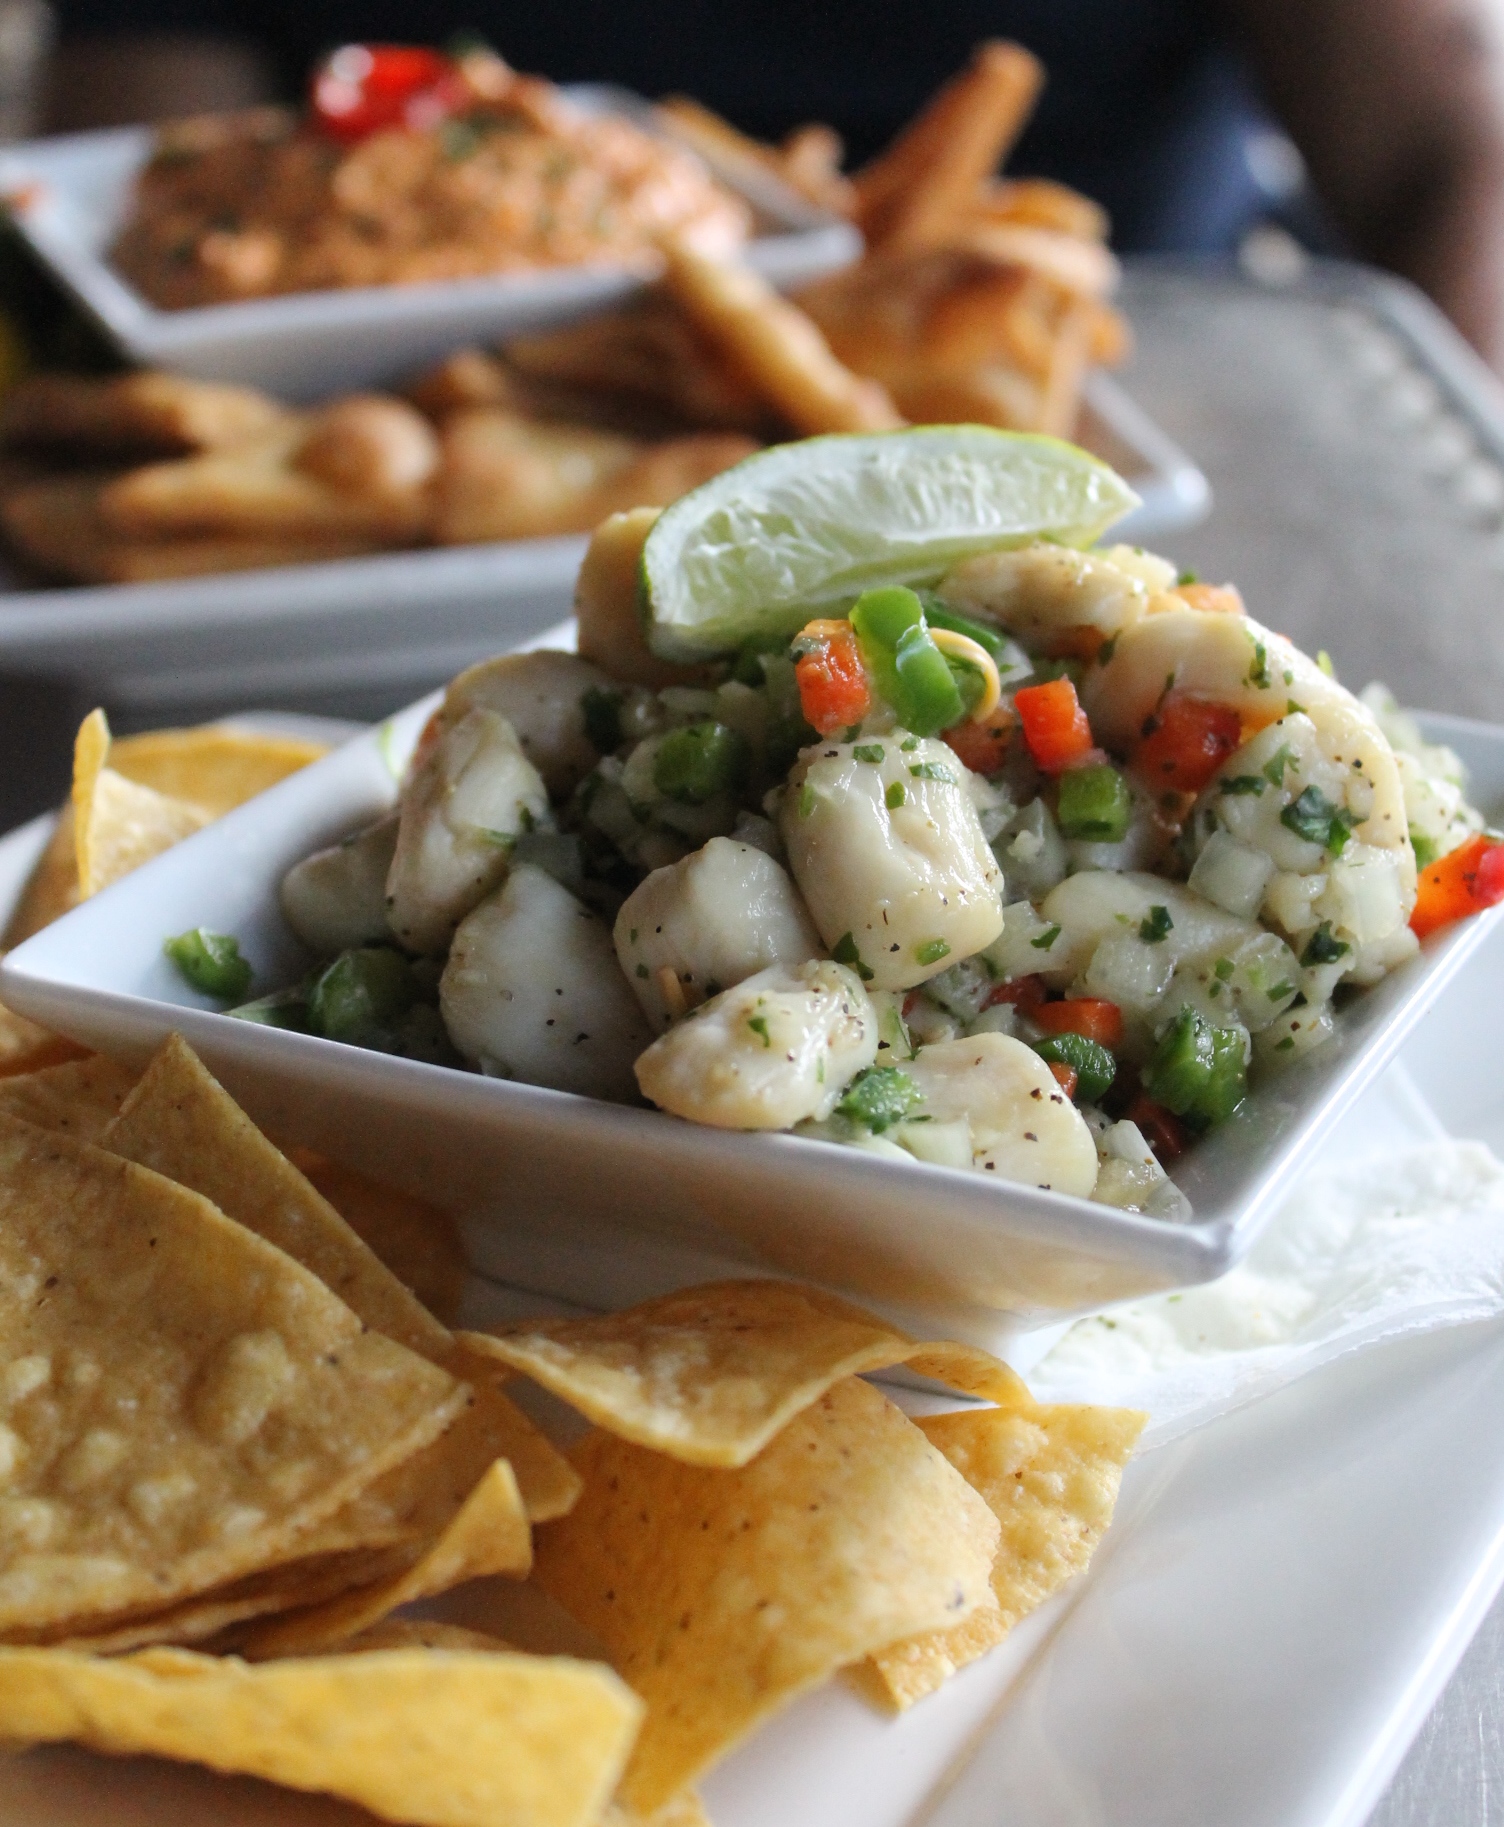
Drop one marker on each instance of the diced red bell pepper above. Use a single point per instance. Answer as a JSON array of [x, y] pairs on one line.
[[1161, 1128], [1093, 1016], [1025, 993], [1054, 725], [982, 747], [1066, 1077], [361, 88], [1463, 882], [834, 691], [1187, 741]]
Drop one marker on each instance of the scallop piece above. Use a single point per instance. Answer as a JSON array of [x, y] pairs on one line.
[[543, 696], [767, 1054], [704, 924], [335, 899], [532, 992], [1023, 1126], [470, 797], [888, 851]]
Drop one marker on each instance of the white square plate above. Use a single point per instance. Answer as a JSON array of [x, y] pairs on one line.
[[1280, 1602], [606, 1204], [72, 195]]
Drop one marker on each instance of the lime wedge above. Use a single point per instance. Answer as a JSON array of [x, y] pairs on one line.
[[801, 529]]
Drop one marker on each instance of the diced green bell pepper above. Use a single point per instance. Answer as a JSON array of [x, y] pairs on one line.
[[879, 1097], [1095, 804], [1092, 1063], [696, 763], [909, 670], [1198, 1070], [362, 997], [211, 963]]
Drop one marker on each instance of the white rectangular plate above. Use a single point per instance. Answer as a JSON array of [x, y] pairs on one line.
[[403, 621], [606, 1204], [73, 194]]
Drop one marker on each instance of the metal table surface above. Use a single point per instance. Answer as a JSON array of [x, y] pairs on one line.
[[1360, 511], [1359, 504]]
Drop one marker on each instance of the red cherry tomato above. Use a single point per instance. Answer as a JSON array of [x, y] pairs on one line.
[[361, 88]]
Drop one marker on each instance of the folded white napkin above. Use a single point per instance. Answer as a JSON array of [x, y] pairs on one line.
[[1398, 1229]]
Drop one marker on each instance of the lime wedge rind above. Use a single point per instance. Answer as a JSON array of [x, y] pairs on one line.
[[802, 528]]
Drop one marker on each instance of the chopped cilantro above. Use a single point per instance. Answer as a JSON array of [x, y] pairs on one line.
[[844, 951], [1156, 926], [1322, 948]]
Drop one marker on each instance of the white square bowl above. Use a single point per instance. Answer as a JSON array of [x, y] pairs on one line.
[[605, 1204], [69, 200]]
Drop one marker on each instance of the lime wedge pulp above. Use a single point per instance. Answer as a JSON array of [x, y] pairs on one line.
[[801, 529]]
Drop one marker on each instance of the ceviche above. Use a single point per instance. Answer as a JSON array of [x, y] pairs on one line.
[[882, 805]]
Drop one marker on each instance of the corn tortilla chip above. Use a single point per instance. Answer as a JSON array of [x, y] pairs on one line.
[[26, 1047], [490, 1534], [722, 1594], [709, 1375], [222, 1612], [1050, 1475], [444, 1737], [179, 1121], [118, 825], [684, 1810], [419, 1243], [422, 1633], [182, 1399], [79, 1099], [52, 890], [211, 767]]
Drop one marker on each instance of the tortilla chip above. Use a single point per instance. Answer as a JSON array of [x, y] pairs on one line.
[[53, 888], [180, 1122], [447, 1737], [711, 1374], [504, 476], [489, 1535], [257, 489], [25, 1047], [148, 413], [422, 1633], [218, 1613], [118, 825], [1051, 1477], [419, 1243], [683, 1810], [720, 1595], [183, 1399], [211, 767], [78, 1099]]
